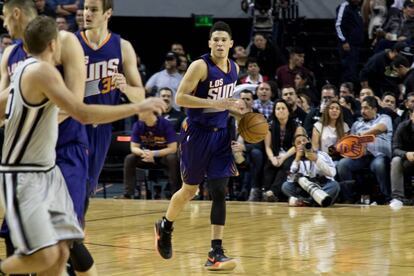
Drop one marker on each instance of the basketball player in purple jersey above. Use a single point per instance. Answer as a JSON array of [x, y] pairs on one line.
[[37, 204], [206, 92], [72, 144], [111, 70]]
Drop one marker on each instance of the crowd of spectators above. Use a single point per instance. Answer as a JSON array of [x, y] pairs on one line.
[[376, 98]]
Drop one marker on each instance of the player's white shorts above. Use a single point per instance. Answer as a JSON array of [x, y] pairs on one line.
[[39, 210]]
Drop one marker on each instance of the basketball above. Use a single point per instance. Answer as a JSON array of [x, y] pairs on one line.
[[253, 127]]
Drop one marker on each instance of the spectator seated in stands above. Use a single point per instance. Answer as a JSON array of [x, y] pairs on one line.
[[263, 104], [290, 96], [304, 102], [378, 153], [351, 104], [61, 23], [268, 55], [169, 77], [329, 93], [304, 85], [279, 151], [402, 164], [248, 157], [317, 170], [68, 9], [285, 74], [377, 72], [407, 106], [240, 57], [153, 146], [403, 68], [389, 106], [346, 89], [44, 7], [329, 130], [253, 75], [173, 116]]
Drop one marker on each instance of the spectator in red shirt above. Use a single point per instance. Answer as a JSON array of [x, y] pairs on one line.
[[285, 75]]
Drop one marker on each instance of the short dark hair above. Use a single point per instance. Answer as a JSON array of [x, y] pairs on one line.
[[330, 87], [251, 60], [247, 91], [39, 33], [399, 61], [221, 26], [166, 88], [107, 4], [371, 101], [349, 86], [27, 6], [411, 94], [296, 50], [3, 36], [388, 94]]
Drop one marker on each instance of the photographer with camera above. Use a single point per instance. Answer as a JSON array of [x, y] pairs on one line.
[[311, 181]]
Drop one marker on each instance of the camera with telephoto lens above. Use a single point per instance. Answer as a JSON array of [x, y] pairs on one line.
[[308, 146]]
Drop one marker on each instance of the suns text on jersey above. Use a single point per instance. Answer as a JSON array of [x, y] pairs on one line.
[[218, 90], [101, 69]]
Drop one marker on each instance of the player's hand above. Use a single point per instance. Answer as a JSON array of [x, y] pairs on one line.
[[151, 104], [119, 81], [148, 156], [231, 104]]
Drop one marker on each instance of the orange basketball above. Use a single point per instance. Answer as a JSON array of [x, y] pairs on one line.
[[253, 127]]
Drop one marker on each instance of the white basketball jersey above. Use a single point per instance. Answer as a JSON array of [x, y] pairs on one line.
[[30, 131]]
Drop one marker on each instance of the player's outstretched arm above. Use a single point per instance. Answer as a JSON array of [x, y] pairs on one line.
[[130, 83], [46, 78]]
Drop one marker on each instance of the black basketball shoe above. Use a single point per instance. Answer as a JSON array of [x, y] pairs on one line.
[[163, 240], [218, 261]]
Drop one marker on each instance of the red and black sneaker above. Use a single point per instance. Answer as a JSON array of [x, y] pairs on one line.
[[218, 261], [163, 240]]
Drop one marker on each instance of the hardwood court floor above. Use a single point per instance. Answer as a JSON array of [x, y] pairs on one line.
[[266, 239]]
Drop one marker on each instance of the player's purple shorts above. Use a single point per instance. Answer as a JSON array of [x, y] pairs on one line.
[[99, 138], [205, 152], [72, 159]]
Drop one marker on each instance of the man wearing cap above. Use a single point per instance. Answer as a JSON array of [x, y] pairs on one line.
[[350, 33], [377, 72], [403, 69], [169, 77]]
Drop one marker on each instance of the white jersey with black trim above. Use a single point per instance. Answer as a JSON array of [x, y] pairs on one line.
[[31, 131]]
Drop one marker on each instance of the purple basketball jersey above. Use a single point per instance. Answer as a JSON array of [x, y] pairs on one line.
[[217, 85], [101, 63]]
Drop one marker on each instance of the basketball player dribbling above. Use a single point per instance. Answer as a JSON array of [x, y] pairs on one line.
[[205, 150], [38, 208], [111, 70]]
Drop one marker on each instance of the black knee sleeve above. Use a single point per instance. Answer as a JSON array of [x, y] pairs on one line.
[[81, 258], [217, 189]]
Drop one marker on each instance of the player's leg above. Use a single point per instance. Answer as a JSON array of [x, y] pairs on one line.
[[73, 163], [216, 258], [220, 168], [164, 227], [37, 262], [60, 266]]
